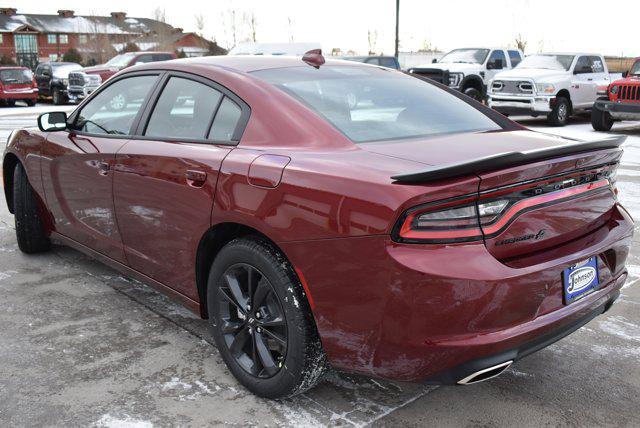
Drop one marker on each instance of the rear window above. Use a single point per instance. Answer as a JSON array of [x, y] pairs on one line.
[[16, 76], [372, 104]]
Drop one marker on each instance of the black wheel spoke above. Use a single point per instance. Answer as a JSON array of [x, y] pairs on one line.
[[231, 326], [280, 340], [262, 291], [273, 322], [239, 341], [229, 298], [234, 286], [268, 363], [253, 276]]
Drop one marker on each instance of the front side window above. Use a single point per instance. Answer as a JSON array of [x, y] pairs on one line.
[[495, 56], [114, 109], [121, 60], [184, 110], [371, 104], [515, 58], [635, 68], [466, 56], [583, 65]]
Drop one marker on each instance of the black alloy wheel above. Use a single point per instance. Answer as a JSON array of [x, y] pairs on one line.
[[252, 321]]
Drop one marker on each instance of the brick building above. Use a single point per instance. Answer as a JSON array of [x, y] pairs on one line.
[[31, 38]]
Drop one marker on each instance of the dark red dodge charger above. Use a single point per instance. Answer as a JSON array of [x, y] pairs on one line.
[[330, 214]]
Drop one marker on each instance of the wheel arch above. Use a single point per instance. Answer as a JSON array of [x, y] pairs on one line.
[[473, 81], [8, 166], [210, 245], [564, 93]]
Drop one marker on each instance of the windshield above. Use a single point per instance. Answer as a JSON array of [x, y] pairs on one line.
[[63, 71], [468, 56], [16, 76], [120, 60], [636, 68], [372, 104], [547, 62]]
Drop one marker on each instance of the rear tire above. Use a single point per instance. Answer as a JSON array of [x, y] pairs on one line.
[[30, 231], [601, 120], [243, 314], [31, 103], [560, 113]]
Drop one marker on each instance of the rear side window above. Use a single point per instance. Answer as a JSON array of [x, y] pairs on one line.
[[226, 121], [596, 64], [388, 62], [515, 58], [373, 104], [184, 110], [374, 61], [114, 109]]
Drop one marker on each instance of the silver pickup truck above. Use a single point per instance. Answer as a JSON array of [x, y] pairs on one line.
[[81, 85]]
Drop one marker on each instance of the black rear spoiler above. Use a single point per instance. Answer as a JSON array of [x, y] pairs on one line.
[[505, 160]]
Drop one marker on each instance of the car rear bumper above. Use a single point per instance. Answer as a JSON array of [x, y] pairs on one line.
[[525, 105], [30, 94], [619, 110], [432, 313]]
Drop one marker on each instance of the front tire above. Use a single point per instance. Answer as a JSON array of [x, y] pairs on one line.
[[473, 93], [57, 96], [261, 320], [601, 120], [560, 113], [30, 231], [31, 103]]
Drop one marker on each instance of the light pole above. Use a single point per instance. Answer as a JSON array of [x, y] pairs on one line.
[[397, 26]]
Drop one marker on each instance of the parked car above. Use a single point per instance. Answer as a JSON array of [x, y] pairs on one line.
[[384, 61], [621, 103], [329, 212], [469, 70], [53, 80], [17, 84], [85, 81], [554, 84]]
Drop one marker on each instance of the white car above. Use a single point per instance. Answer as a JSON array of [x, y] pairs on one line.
[[554, 84], [469, 70]]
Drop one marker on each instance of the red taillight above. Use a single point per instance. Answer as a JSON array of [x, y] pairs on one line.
[[35, 84], [473, 218]]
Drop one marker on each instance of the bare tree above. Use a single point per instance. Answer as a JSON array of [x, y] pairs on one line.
[[251, 22], [290, 22], [161, 31], [98, 43], [372, 39], [199, 24], [521, 43], [230, 26]]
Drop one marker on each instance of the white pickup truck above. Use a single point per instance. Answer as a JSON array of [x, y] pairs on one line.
[[554, 84], [469, 70]]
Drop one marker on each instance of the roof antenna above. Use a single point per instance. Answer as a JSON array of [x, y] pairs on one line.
[[314, 58]]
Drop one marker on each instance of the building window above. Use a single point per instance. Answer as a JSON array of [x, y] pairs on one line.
[[51, 39], [1, 41], [83, 39], [64, 39], [53, 57]]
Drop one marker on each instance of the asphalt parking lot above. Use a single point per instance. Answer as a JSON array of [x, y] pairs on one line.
[[81, 345]]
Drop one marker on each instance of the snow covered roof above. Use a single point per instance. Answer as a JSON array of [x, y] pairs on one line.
[[81, 24]]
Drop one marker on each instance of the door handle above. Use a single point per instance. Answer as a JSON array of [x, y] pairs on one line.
[[196, 178], [590, 79]]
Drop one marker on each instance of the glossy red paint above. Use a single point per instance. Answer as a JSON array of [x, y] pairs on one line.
[[105, 71], [383, 308], [627, 89]]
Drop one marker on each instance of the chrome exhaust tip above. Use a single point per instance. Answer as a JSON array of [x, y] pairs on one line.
[[485, 374]]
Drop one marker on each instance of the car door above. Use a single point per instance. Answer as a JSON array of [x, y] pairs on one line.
[[43, 79], [77, 165], [600, 74], [165, 178], [583, 83], [496, 63]]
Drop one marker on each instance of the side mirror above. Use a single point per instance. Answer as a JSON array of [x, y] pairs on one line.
[[54, 121], [625, 74], [433, 61]]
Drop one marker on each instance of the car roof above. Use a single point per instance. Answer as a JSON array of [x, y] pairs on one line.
[[569, 53], [13, 67], [249, 63]]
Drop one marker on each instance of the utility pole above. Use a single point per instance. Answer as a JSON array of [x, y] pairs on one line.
[[397, 26]]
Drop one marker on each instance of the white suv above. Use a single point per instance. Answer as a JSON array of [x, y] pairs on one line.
[[553, 84], [469, 70]]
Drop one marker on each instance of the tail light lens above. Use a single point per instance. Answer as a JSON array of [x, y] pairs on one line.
[[432, 224]]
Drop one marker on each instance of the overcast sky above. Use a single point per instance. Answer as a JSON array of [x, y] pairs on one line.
[[560, 25]]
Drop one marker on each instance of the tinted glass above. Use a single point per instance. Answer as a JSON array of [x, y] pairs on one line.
[[184, 110], [374, 61], [162, 57], [596, 64], [142, 59], [469, 56], [388, 62], [226, 121], [635, 69], [113, 110], [498, 55], [583, 65], [515, 58], [15, 76], [369, 104]]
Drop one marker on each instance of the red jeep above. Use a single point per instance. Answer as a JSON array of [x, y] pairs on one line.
[[125, 60], [622, 103], [17, 83]]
